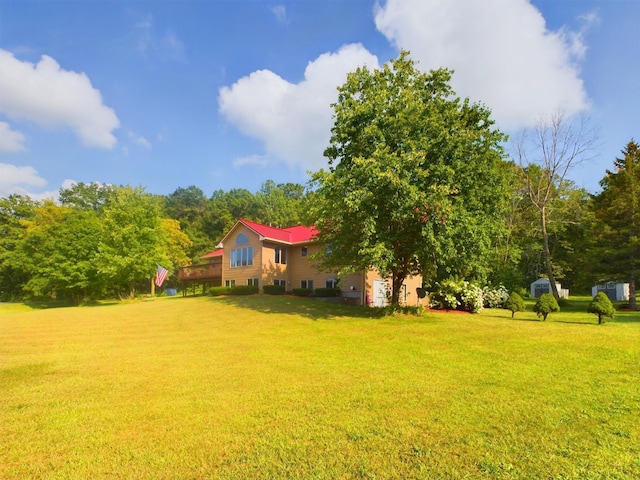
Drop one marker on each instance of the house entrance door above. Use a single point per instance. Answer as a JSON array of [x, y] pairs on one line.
[[379, 293]]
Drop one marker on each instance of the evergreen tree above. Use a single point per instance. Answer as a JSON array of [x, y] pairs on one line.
[[617, 211]]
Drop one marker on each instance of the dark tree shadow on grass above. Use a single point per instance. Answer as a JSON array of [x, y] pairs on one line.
[[311, 308]]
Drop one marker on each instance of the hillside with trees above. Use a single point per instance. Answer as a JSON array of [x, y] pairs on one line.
[[418, 183]]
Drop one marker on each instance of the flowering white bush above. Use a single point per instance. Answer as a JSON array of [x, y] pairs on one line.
[[495, 297], [457, 295]]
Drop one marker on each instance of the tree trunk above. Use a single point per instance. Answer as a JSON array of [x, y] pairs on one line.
[[547, 253], [153, 286], [632, 291], [396, 287]]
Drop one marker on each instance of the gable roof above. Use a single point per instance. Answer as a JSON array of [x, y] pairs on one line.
[[215, 253], [290, 236]]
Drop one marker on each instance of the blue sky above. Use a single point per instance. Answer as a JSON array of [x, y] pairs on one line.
[[226, 94]]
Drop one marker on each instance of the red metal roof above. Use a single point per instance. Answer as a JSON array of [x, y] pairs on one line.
[[298, 234], [215, 253]]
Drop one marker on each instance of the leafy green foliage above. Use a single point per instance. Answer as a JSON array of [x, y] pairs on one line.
[[416, 183], [617, 209], [547, 154], [61, 245], [134, 241], [86, 196], [601, 306], [302, 292], [217, 291], [545, 305], [15, 213], [514, 304], [326, 292], [274, 289], [234, 290]]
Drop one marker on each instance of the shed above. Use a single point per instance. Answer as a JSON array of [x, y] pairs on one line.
[[617, 292], [543, 285]]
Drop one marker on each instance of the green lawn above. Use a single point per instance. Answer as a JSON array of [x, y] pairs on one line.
[[283, 387]]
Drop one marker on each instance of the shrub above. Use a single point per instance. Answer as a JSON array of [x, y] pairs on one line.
[[545, 305], [514, 303], [274, 289], [326, 292], [217, 291], [457, 295], [495, 297], [243, 290], [235, 290], [601, 306], [302, 292]]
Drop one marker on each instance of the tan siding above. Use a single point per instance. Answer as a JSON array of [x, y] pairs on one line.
[[303, 268], [270, 269], [242, 274]]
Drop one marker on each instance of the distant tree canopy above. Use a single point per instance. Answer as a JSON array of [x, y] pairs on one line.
[[417, 179]]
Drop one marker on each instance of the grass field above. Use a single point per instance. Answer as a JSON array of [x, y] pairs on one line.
[[283, 387]]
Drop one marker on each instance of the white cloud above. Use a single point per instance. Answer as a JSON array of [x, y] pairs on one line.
[[139, 140], [49, 96], [14, 179], [280, 12], [10, 140], [501, 50], [293, 120], [260, 161], [148, 42]]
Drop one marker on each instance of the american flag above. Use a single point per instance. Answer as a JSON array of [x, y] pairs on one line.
[[161, 275]]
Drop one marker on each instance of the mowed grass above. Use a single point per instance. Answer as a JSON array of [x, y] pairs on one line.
[[282, 387]]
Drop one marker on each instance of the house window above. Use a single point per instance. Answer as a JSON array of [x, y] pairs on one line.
[[242, 239], [331, 283], [303, 251], [229, 283], [252, 282], [306, 284], [242, 257], [281, 283], [281, 255]]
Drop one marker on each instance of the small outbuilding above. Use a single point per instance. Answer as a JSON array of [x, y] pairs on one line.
[[617, 292], [543, 285]]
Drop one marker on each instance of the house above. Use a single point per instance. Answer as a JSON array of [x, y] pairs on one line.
[[251, 253], [543, 285], [616, 292]]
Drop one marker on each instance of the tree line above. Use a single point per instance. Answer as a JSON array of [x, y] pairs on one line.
[[418, 182]]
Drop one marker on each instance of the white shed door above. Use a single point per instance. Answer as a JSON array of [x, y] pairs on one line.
[[379, 293]]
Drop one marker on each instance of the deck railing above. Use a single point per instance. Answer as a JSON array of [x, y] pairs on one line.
[[200, 272]]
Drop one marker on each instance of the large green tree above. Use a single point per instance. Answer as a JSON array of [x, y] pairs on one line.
[[15, 213], [280, 205], [134, 240], [617, 211], [191, 208], [416, 179], [58, 251], [86, 196]]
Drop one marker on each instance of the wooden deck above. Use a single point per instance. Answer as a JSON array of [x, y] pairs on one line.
[[199, 273]]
